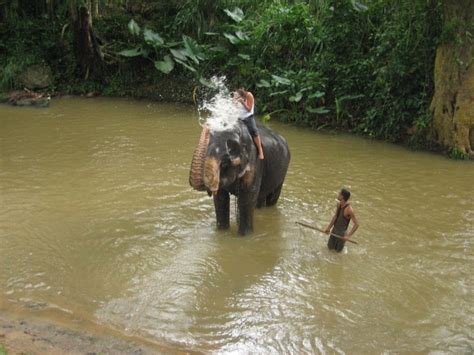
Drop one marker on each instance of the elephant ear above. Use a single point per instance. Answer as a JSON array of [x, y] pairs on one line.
[[233, 148]]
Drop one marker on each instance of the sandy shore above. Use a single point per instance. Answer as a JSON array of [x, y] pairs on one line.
[[27, 335]]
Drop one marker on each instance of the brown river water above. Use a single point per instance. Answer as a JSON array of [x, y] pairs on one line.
[[99, 225]]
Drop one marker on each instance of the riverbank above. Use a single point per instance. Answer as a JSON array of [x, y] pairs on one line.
[[26, 334]]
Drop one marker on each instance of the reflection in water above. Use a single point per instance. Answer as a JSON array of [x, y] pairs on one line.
[[97, 222]]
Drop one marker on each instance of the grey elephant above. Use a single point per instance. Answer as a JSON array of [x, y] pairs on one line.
[[226, 162]]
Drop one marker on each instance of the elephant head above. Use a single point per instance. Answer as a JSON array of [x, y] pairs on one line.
[[219, 161]]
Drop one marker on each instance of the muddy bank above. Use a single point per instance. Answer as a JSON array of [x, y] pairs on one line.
[[20, 334]]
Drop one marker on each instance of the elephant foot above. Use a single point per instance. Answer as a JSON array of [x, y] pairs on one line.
[[245, 231], [223, 226]]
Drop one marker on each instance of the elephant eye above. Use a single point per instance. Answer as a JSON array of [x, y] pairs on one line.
[[233, 147]]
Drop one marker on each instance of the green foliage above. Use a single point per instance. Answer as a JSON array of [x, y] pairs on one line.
[[3, 351], [401, 61], [9, 72], [457, 154], [24, 43], [134, 28], [286, 36], [164, 54], [297, 91], [237, 14], [166, 65], [360, 65]]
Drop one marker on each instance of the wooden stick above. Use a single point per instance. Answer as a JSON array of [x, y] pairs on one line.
[[320, 230]]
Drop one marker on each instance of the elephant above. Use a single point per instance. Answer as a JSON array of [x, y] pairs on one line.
[[226, 162]]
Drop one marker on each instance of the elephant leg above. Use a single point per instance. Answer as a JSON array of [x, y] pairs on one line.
[[273, 197], [262, 201], [221, 205], [246, 207]]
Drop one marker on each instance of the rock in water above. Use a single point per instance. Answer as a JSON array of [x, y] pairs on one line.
[[28, 98]]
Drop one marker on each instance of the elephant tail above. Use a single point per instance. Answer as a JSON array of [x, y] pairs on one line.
[[196, 173]]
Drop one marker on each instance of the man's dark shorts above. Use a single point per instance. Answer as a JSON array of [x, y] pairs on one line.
[[251, 125], [336, 244]]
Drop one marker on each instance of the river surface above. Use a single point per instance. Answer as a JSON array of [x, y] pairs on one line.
[[98, 225]]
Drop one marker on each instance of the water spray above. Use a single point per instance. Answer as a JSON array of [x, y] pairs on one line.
[[219, 113]]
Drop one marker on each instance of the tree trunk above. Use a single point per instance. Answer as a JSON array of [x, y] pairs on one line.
[[50, 8], [88, 53], [73, 10], [95, 8], [453, 101]]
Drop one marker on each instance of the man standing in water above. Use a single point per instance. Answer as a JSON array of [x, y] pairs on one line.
[[340, 221], [247, 101]]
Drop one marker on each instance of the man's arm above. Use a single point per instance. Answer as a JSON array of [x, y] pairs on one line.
[[355, 224], [328, 228]]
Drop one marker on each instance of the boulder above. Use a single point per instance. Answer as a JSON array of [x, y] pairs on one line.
[[37, 76]]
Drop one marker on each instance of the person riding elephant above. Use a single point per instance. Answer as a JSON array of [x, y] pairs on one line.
[[246, 102], [226, 162]]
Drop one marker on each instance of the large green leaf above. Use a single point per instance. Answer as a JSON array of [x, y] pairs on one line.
[[179, 53], [349, 97], [153, 38], [242, 36], [281, 80], [207, 83], [296, 98], [133, 28], [263, 84], [317, 94], [233, 39], [131, 52], [237, 15], [358, 6], [172, 44], [244, 56], [279, 93], [319, 110], [193, 50], [218, 49], [166, 65], [186, 65]]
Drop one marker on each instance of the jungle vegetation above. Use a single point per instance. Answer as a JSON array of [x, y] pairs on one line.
[[365, 66]]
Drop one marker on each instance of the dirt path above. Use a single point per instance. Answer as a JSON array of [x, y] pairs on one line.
[[20, 335]]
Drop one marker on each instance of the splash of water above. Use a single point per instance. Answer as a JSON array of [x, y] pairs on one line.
[[219, 112]]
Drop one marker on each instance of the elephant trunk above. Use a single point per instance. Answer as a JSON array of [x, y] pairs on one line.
[[196, 174], [211, 174]]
